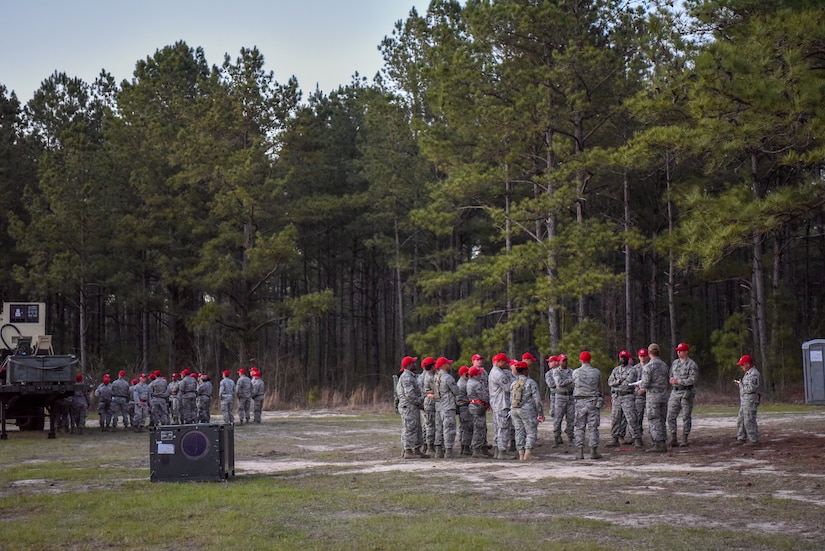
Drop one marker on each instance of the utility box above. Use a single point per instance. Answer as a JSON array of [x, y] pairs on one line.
[[202, 452], [40, 369], [813, 362]]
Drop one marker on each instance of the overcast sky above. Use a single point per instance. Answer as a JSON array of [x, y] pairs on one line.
[[321, 42]]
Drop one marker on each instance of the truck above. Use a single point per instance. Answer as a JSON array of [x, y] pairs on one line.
[[32, 377]]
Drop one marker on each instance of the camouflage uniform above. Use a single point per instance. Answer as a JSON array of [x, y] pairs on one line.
[[142, 394], [243, 391], [465, 418], [479, 404], [159, 400], [104, 405], [624, 401], [204, 400], [746, 428], [80, 407], [409, 405], [188, 393], [587, 381], [565, 404], [257, 398], [550, 379], [681, 396], [120, 402], [426, 382], [445, 392], [500, 404], [226, 392], [174, 401], [526, 407], [654, 383], [640, 401]]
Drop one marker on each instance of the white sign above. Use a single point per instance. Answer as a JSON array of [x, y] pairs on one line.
[[816, 356]]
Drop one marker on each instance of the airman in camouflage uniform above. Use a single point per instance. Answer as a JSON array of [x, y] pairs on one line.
[[479, 398], [587, 389], [226, 392], [188, 396], [141, 396], [204, 398], [641, 401], [445, 392], [526, 410], [465, 418], [565, 403], [243, 392], [174, 399], [654, 387], [500, 379], [624, 400], [426, 381], [747, 431], [104, 405], [120, 401], [159, 401], [80, 405], [257, 394], [683, 375], [410, 404], [550, 379]]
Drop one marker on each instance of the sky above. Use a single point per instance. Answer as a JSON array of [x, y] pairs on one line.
[[321, 42]]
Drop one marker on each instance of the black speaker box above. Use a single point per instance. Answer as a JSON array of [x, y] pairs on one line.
[[202, 452]]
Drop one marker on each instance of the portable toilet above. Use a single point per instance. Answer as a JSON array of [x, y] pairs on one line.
[[814, 368]]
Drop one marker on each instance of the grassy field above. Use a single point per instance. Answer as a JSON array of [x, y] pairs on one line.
[[335, 480]]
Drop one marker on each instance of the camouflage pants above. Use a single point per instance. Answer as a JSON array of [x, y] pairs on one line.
[[140, 415], [188, 409], [479, 414], [174, 409], [746, 428], [120, 408], [444, 427], [465, 426], [226, 410], [203, 405], [104, 410], [428, 424], [680, 401], [78, 417], [565, 411], [244, 408], [623, 417], [160, 411], [656, 416], [526, 426], [257, 408], [589, 415], [411, 436], [640, 403], [503, 427]]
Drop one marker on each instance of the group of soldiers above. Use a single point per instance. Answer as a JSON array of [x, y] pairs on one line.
[[430, 401], [186, 399]]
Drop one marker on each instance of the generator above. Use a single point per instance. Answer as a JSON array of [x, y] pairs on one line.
[[203, 452]]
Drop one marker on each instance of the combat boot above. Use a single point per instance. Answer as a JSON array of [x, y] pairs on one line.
[[558, 442], [637, 443], [466, 450], [673, 442], [419, 453], [684, 442], [594, 453], [481, 453], [580, 453], [658, 447], [528, 453], [497, 454], [424, 448], [448, 453], [439, 452], [521, 455], [613, 443], [408, 454]]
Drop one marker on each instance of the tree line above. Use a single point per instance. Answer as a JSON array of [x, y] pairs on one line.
[[538, 175]]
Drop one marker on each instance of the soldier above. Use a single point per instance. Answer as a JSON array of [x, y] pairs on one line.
[[550, 379], [565, 403], [61, 414], [80, 405], [478, 361], [174, 399], [226, 392], [624, 400], [587, 390], [410, 404], [526, 410], [243, 392], [445, 392], [104, 405], [479, 404], [644, 357], [500, 379], [653, 386], [141, 396], [131, 404], [159, 399], [188, 394], [426, 381], [683, 375], [257, 394], [120, 400], [747, 432], [204, 402], [465, 418]]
